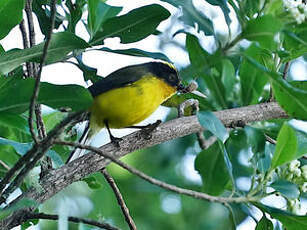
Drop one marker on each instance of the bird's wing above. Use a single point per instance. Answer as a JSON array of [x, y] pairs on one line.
[[119, 78]]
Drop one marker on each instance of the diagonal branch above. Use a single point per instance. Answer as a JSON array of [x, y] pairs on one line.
[[38, 77], [34, 215], [60, 178], [120, 199]]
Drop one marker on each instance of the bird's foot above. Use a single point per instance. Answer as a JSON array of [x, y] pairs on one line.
[[115, 141], [148, 129]]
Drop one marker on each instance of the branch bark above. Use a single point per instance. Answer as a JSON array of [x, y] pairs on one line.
[[56, 180]]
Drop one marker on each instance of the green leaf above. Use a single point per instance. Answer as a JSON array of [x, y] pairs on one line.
[[286, 146], [211, 166], [61, 44], [224, 7], [228, 77], [75, 13], [252, 80], [21, 148], [43, 15], [74, 97], [13, 121], [264, 224], [295, 43], [289, 220], [10, 15], [286, 188], [209, 121], [191, 16], [89, 73], [98, 13], [291, 99], [138, 53], [133, 26], [23, 203], [52, 119], [92, 182], [263, 29], [200, 60]]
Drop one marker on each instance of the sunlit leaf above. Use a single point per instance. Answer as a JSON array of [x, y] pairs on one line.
[[71, 97], [209, 121], [61, 44], [10, 15], [286, 146], [286, 188], [211, 166], [133, 26]]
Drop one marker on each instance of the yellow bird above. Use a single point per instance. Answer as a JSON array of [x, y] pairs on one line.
[[130, 95]]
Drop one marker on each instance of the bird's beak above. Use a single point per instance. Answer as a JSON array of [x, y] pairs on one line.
[[181, 88]]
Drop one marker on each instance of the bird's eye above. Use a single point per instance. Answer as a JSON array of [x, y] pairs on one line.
[[172, 77]]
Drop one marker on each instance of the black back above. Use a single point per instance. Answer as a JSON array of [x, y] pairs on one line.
[[133, 73]]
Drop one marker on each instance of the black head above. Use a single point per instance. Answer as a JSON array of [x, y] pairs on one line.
[[167, 72]]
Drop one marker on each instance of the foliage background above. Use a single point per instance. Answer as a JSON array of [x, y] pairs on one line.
[[233, 69]]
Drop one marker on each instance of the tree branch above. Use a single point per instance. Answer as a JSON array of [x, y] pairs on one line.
[[60, 178], [120, 199], [42, 61], [33, 215]]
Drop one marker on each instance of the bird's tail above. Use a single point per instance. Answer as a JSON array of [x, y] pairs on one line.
[[85, 139]]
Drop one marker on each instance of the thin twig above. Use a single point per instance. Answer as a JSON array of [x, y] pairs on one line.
[[270, 139], [286, 68], [38, 77], [4, 165], [29, 160], [33, 215], [25, 41], [120, 199], [173, 188]]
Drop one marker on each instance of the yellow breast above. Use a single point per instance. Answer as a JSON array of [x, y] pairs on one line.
[[130, 104]]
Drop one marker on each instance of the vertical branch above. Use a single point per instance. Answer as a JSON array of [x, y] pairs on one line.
[[120, 199], [25, 41], [43, 59]]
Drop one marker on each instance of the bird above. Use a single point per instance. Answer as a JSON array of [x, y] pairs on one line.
[[129, 95]]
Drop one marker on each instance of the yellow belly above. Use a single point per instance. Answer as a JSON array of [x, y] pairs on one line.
[[129, 105]]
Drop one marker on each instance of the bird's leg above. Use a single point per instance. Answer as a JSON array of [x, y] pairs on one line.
[[114, 140], [147, 129]]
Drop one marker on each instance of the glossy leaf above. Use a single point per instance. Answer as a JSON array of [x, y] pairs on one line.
[[43, 15], [289, 220], [199, 59], [10, 15], [286, 188], [98, 13], [228, 77], [89, 73], [20, 204], [224, 7], [13, 121], [252, 80], [209, 121], [211, 166], [61, 44], [295, 43], [21, 148], [133, 26], [75, 13], [138, 53], [286, 146], [72, 97], [291, 99], [264, 224], [92, 182], [263, 29], [191, 16]]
